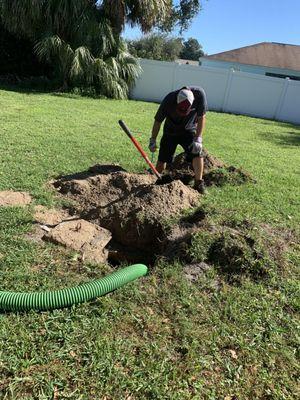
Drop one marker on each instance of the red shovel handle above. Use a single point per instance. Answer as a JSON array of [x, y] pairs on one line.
[[138, 146]]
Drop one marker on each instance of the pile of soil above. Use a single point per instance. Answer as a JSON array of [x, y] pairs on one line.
[[140, 218], [146, 220], [133, 208], [119, 216], [130, 206], [215, 171], [102, 188]]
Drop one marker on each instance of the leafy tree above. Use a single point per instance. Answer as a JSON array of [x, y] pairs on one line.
[[81, 38], [163, 14], [77, 38], [192, 50], [180, 15], [156, 47]]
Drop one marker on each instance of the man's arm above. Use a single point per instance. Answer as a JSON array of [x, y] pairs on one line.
[[155, 129], [197, 142], [158, 119], [200, 126], [201, 113]]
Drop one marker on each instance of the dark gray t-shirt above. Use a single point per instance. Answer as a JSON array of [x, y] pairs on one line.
[[176, 124]]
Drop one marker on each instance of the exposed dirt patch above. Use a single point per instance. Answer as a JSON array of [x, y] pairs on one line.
[[192, 272], [49, 217], [11, 198]]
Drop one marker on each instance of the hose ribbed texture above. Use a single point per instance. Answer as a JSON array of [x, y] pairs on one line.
[[45, 301]]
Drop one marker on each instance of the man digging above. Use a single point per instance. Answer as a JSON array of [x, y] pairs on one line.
[[184, 111]]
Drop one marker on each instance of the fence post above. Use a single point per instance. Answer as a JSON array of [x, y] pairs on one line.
[[227, 90], [281, 99]]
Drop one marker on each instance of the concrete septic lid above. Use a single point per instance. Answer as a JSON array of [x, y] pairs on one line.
[[89, 239]]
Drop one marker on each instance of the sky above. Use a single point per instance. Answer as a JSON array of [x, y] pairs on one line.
[[229, 24]]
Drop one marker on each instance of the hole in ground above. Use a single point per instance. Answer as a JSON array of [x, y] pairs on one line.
[[132, 207]]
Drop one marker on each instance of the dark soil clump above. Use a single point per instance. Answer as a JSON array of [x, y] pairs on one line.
[[245, 250], [215, 172]]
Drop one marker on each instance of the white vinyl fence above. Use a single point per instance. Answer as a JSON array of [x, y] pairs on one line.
[[226, 90]]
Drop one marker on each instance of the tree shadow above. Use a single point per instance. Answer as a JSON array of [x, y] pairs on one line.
[[47, 87], [78, 95], [97, 169], [287, 138], [26, 89]]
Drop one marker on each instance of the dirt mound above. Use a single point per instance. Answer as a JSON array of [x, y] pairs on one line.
[[210, 162], [131, 206], [139, 219], [139, 213], [215, 171], [102, 187]]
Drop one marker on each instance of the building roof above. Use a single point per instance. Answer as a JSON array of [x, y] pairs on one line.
[[278, 55]]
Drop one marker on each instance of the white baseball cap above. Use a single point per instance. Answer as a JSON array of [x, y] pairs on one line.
[[185, 99]]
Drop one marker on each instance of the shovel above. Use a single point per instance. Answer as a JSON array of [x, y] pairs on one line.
[[139, 148]]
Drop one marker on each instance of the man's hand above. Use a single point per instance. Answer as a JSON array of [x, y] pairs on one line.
[[196, 146], [152, 145]]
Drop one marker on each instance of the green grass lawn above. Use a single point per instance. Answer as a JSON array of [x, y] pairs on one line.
[[159, 337]]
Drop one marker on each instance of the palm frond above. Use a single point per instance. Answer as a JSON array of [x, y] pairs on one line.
[[82, 65], [108, 82], [48, 47], [53, 49], [106, 37], [22, 17], [115, 10], [147, 13], [112, 63]]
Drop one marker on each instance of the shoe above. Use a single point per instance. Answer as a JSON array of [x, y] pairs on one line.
[[200, 186]]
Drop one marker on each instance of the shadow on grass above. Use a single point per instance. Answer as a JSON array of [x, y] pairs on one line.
[[287, 138], [92, 171], [23, 89], [48, 88]]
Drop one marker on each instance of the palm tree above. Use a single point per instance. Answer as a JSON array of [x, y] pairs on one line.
[[111, 75], [77, 39], [81, 38]]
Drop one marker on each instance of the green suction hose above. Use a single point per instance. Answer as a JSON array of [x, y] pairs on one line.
[[45, 301]]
